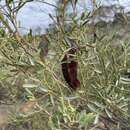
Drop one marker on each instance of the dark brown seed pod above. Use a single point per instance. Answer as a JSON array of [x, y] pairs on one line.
[[69, 69]]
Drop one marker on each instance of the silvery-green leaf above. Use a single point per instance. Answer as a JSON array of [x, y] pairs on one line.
[[107, 64], [92, 108], [96, 119], [108, 113], [30, 85], [98, 104], [98, 71], [124, 80], [43, 89], [31, 61], [71, 98]]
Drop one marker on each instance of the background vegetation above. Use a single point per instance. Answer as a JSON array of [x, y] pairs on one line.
[[34, 90]]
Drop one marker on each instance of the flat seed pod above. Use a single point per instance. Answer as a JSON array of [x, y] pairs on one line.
[[69, 69]]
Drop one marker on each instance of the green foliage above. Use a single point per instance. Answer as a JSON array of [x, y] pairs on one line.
[[101, 70]]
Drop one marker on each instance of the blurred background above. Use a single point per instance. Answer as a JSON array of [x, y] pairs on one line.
[[35, 14]]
